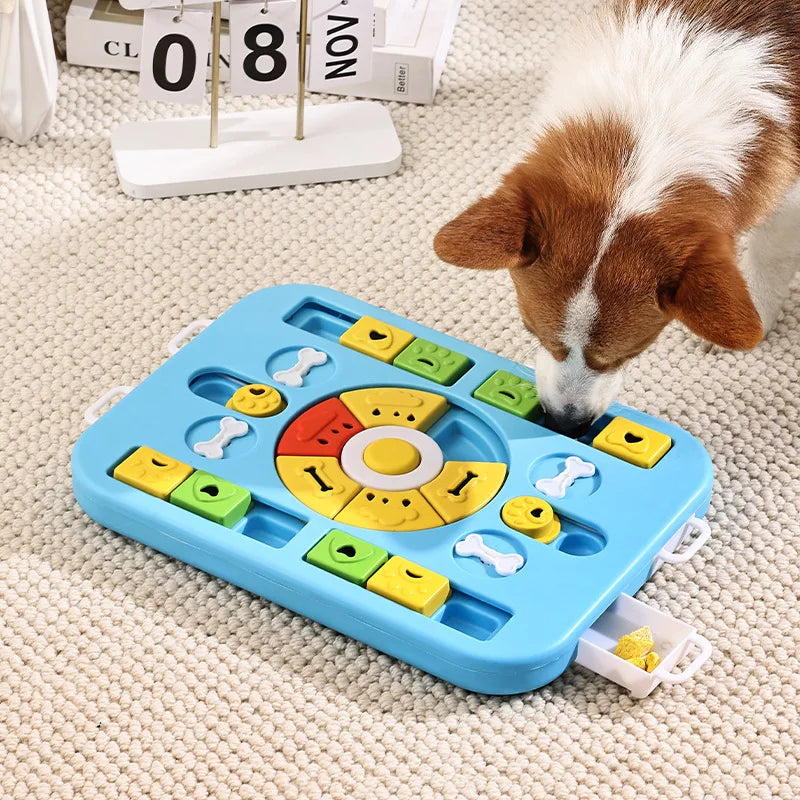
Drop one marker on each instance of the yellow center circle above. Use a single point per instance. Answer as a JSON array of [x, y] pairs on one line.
[[391, 456]]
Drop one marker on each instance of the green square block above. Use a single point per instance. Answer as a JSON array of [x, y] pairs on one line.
[[346, 556], [431, 361], [510, 393], [216, 499]]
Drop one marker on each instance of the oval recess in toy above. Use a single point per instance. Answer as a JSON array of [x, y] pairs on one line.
[[213, 439], [300, 367], [559, 481], [496, 555]]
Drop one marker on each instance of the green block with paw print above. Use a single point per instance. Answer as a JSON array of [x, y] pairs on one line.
[[432, 361], [510, 393]]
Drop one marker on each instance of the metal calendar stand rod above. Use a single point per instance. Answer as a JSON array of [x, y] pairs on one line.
[[302, 39], [301, 69], [216, 25]]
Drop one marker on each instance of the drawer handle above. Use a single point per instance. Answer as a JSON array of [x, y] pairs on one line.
[[705, 652]]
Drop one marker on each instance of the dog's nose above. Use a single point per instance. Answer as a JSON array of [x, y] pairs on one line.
[[568, 425]]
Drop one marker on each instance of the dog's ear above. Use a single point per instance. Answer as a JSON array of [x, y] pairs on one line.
[[496, 232], [712, 299]]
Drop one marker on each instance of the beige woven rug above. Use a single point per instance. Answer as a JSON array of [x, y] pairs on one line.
[[126, 674]]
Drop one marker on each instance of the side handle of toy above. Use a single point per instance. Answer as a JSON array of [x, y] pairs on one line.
[[186, 333], [703, 530], [93, 412]]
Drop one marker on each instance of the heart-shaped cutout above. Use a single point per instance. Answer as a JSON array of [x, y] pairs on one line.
[[345, 553], [376, 336], [212, 493], [632, 438]]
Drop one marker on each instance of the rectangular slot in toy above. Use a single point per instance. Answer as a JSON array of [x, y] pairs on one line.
[[218, 387], [321, 320], [472, 616], [270, 525], [672, 638]]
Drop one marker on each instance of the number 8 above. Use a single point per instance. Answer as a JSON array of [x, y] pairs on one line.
[[272, 49]]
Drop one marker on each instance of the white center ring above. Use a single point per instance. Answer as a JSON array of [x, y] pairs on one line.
[[430, 455]]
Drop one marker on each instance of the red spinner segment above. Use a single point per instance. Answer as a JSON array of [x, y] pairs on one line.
[[322, 430]]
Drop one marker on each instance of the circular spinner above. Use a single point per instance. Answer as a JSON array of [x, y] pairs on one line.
[[365, 458]]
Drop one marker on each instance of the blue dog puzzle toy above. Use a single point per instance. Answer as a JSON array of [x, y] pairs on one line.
[[397, 485]]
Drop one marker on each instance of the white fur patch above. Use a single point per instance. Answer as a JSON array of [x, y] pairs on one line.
[[571, 390]]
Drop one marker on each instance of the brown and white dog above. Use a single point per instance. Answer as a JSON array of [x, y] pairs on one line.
[[667, 138]]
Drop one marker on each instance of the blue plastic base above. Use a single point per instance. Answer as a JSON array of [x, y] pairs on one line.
[[498, 635]]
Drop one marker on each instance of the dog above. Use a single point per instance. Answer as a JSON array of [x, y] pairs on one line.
[[667, 141]]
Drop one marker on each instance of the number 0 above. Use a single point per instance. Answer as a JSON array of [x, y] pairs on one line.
[[188, 62], [272, 49]]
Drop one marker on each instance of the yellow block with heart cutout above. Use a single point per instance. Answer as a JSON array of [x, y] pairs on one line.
[[632, 442], [152, 472], [464, 487], [317, 481], [390, 511], [410, 408], [374, 338], [410, 585]]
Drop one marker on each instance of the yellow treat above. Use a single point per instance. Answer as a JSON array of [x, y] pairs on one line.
[[632, 442], [317, 481], [533, 517], [375, 338], [410, 585], [410, 408], [389, 511], [651, 661], [256, 400], [152, 472], [637, 661], [464, 487], [637, 643]]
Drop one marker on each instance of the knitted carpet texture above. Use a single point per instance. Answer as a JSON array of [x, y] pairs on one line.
[[126, 674]]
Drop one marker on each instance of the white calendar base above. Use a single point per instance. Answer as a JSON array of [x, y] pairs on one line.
[[257, 149]]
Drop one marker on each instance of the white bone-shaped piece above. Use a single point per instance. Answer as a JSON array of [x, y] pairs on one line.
[[229, 429], [504, 563], [307, 357], [574, 468]]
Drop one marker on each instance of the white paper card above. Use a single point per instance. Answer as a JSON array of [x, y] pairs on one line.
[[138, 5], [341, 43], [263, 47], [174, 55]]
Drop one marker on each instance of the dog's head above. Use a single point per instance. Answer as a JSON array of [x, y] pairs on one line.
[[597, 286]]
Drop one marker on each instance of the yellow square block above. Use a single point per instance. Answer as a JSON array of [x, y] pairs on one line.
[[375, 338], [632, 442], [152, 472], [410, 585]]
